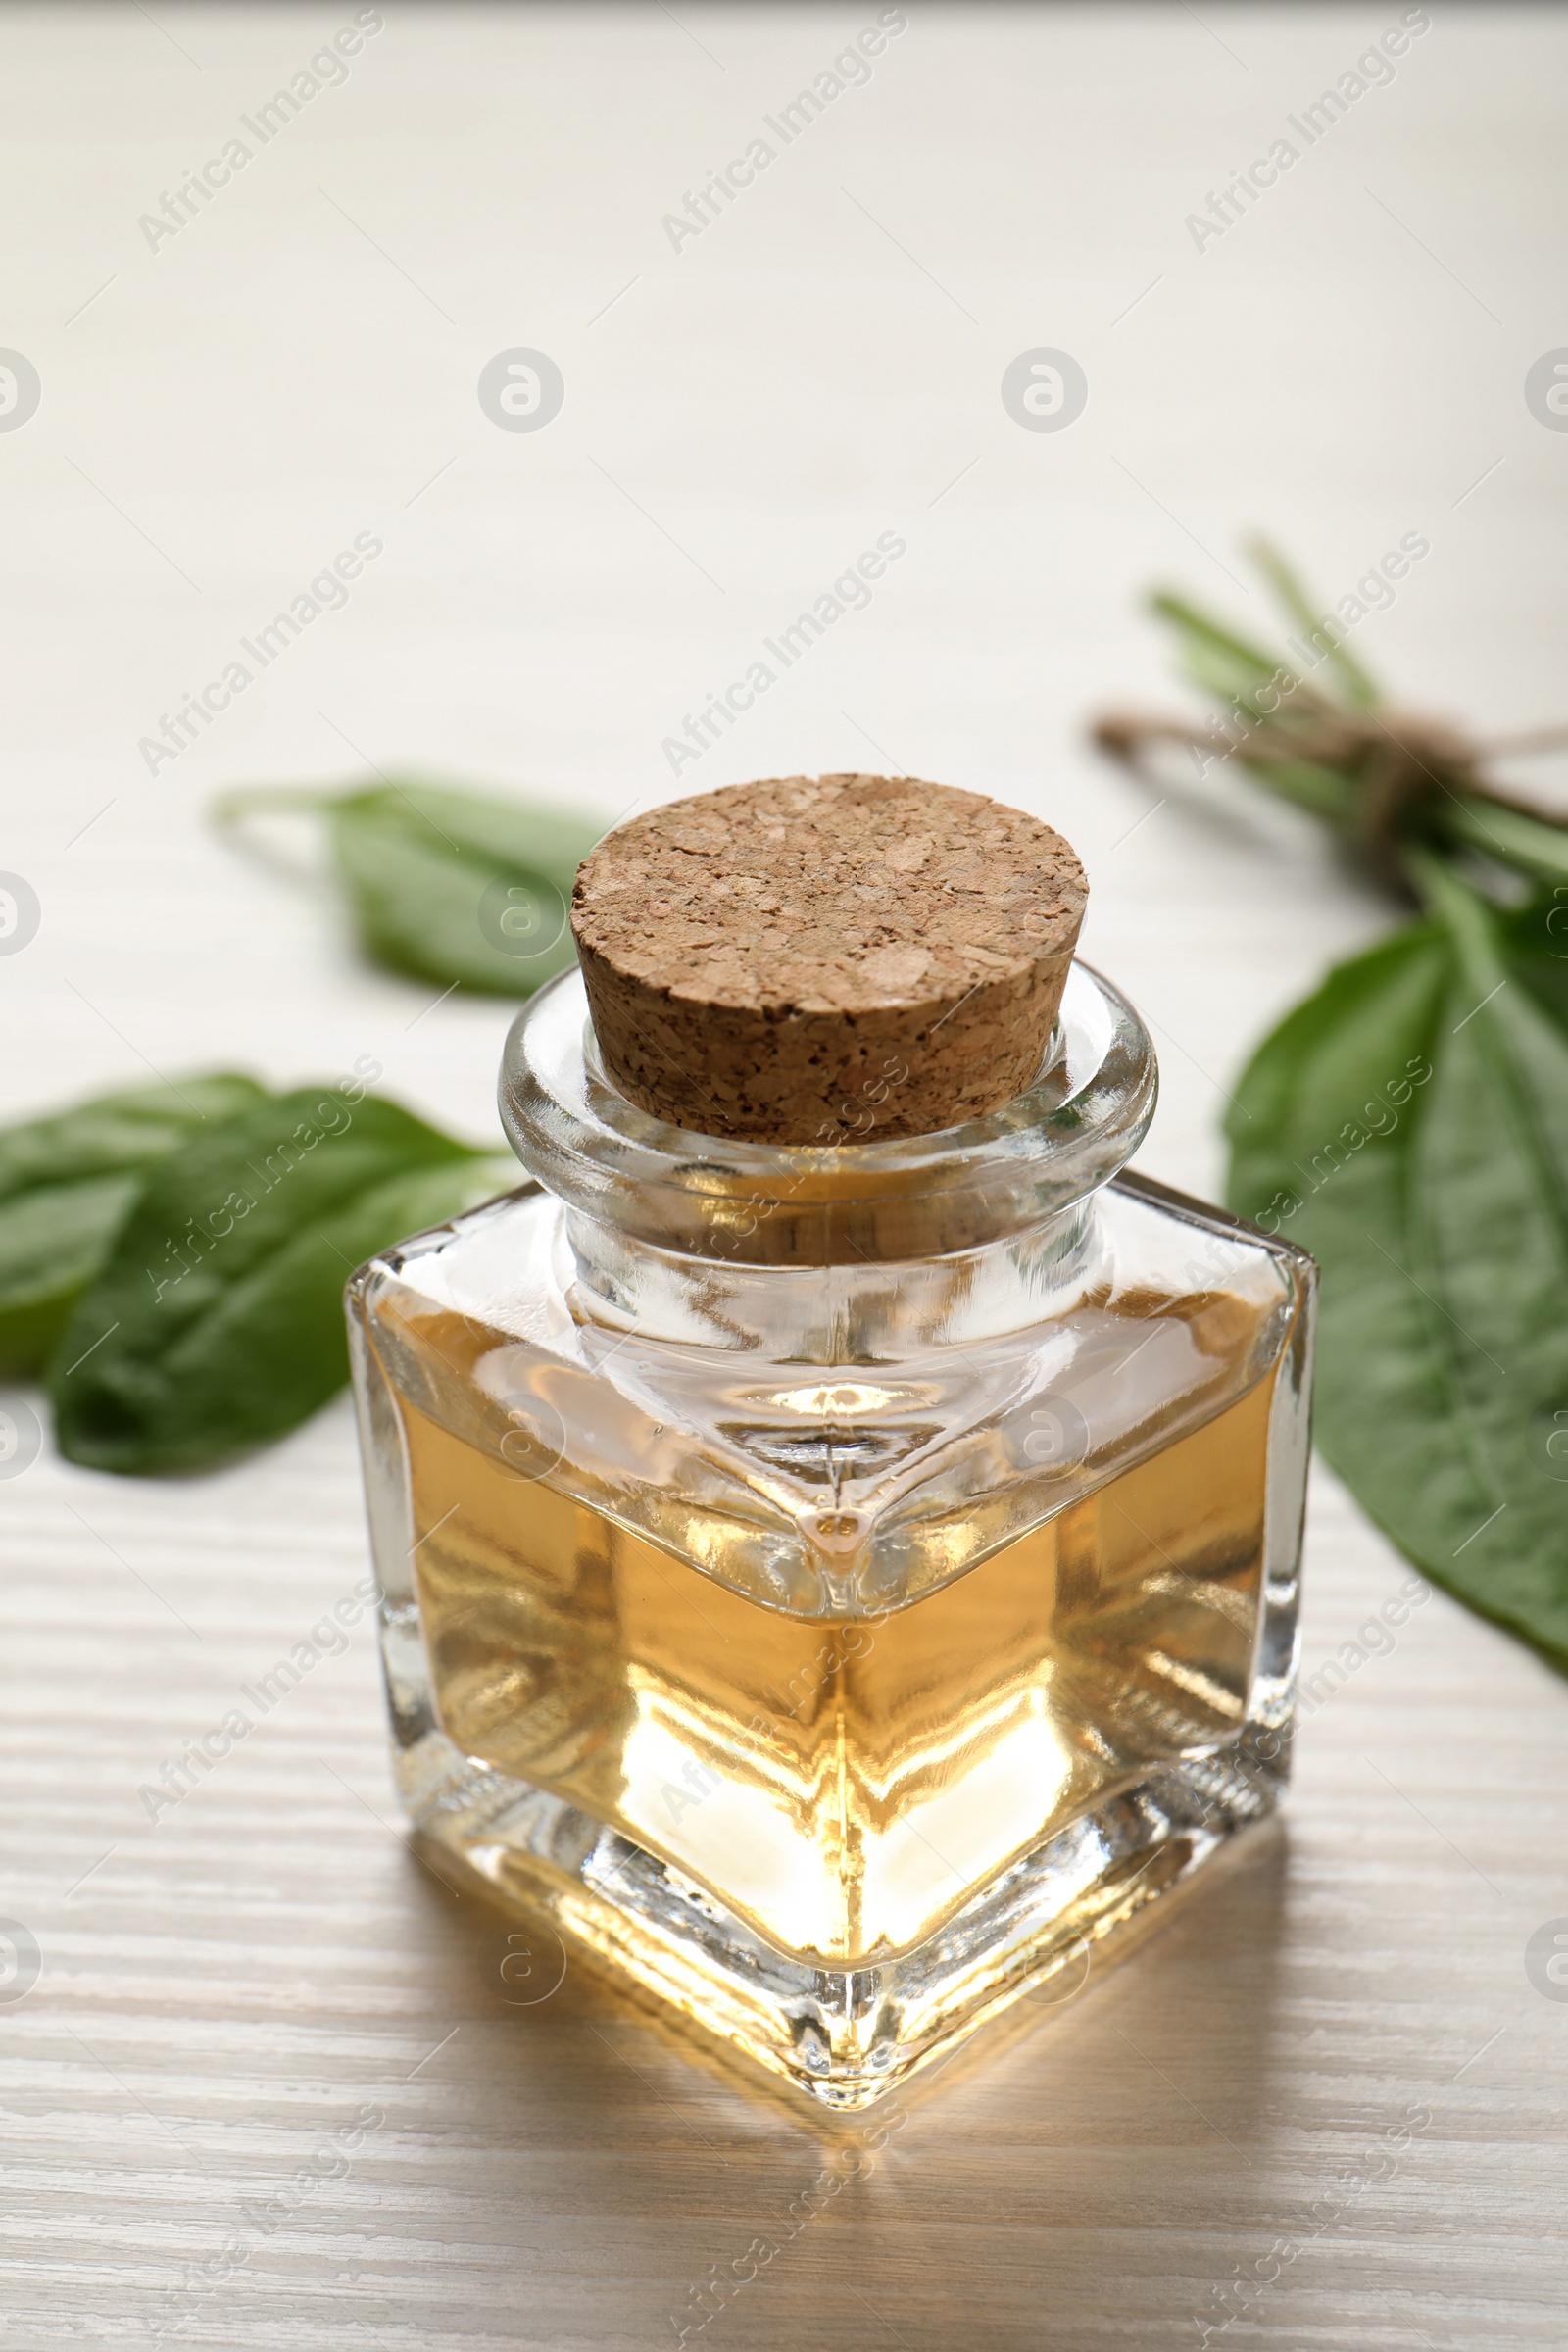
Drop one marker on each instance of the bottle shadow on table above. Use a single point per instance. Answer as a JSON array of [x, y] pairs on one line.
[[1180, 2000]]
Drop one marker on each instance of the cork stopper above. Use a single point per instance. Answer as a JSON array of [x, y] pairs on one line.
[[827, 960]]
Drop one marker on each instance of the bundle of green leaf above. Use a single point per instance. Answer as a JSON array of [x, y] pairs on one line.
[[1409, 1123], [173, 1258], [455, 886]]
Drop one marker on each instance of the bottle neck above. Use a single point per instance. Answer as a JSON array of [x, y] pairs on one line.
[[660, 1219], [865, 1309]]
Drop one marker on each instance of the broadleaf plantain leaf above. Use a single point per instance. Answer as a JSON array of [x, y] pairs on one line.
[[466, 888], [65, 1185], [1409, 1124], [217, 1322]]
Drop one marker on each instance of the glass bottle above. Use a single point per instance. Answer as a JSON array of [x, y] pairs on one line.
[[835, 1585]]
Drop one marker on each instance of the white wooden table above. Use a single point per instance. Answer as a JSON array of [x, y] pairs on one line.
[[230, 1994]]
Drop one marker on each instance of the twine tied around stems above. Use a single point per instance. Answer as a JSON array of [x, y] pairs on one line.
[[1395, 759]]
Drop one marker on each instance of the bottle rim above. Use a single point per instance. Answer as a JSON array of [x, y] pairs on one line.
[[1067, 1133]]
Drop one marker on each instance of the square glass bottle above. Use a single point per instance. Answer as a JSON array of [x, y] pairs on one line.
[[836, 1584]]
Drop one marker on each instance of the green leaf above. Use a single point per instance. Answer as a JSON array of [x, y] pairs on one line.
[[1326, 791], [217, 1322], [1359, 688], [1536, 944], [1533, 846], [66, 1184], [1436, 1205], [1246, 664], [446, 884]]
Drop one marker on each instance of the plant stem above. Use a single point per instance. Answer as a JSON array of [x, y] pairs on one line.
[[230, 808], [1533, 844]]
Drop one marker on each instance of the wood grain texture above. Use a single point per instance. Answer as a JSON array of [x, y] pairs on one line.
[[225, 1988], [235, 1982]]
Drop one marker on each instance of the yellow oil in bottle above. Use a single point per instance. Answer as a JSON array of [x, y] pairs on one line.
[[843, 1783]]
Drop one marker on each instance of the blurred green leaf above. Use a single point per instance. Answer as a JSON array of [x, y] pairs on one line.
[[65, 1185], [217, 1322], [1409, 1124], [447, 885]]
